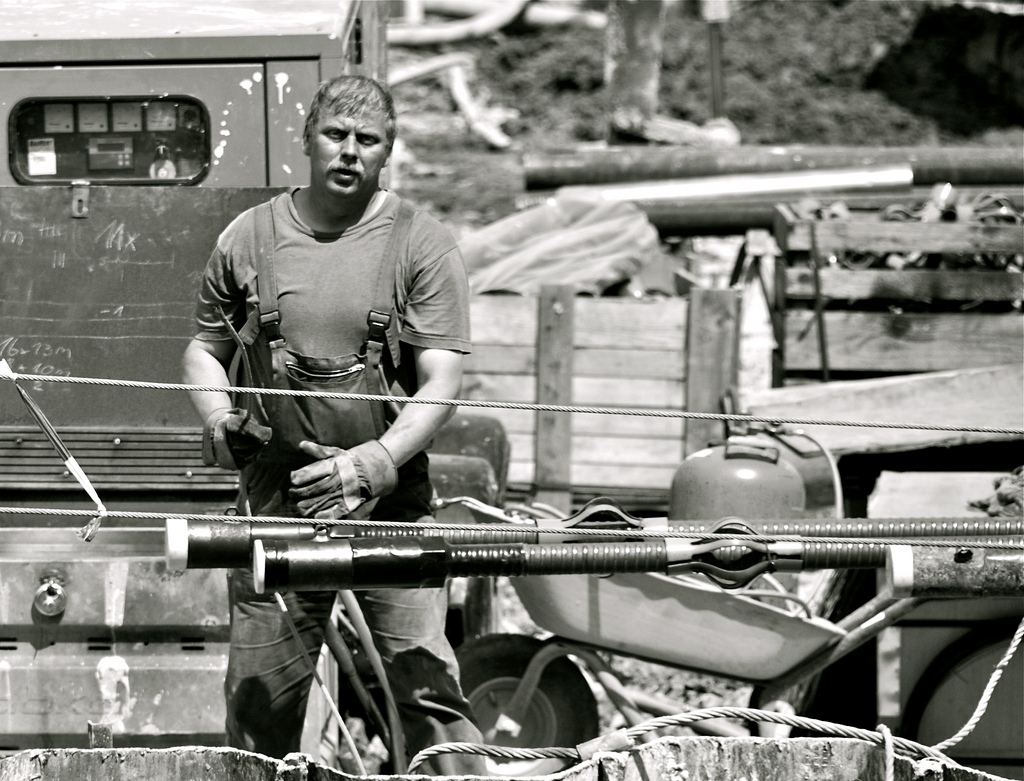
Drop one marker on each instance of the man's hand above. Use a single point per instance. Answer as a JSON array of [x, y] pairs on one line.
[[232, 438], [340, 481]]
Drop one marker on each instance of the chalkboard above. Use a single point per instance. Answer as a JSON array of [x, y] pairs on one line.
[[110, 295]]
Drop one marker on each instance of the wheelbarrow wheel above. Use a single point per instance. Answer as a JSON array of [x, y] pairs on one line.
[[562, 712]]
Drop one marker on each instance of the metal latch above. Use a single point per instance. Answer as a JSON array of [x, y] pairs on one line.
[[80, 198]]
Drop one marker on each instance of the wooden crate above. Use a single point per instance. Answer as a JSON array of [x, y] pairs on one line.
[[663, 354], [881, 321]]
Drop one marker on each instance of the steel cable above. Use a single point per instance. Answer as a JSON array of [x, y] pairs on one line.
[[627, 411], [683, 719]]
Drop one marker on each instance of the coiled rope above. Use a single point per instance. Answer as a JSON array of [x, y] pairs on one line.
[[879, 738], [909, 747], [627, 411], [882, 736]]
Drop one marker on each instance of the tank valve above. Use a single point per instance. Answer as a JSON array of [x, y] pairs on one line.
[[51, 600]]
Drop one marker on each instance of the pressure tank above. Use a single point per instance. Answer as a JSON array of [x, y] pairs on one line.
[[748, 477]]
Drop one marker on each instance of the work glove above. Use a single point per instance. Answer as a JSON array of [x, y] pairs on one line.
[[232, 438], [340, 481]]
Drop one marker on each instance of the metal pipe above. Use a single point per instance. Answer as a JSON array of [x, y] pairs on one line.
[[785, 185], [963, 573], [736, 216], [877, 528], [366, 563], [195, 544], [223, 544], [191, 544], [957, 165]]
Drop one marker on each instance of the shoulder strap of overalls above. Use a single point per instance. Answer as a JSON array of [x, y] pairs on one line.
[[263, 245], [382, 325], [381, 322], [266, 279]]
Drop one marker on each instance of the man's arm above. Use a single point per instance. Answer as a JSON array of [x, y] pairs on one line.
[[439, 376], [205, 363]]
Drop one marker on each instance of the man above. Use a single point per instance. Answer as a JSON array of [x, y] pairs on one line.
[[338, 286]]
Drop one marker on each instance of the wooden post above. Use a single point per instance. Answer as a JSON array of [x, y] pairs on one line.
[[633, 63], [371, 58], [553, 444], [361, 39], [715, 13], [711, 360]]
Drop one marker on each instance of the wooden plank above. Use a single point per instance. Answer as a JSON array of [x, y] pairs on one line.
[[587, 362], [912, 284], [600, 322], [588, 477], [905, 341], [875, 235], [586, 391], [553, 447], [990, 396], [657, 323], [624, 354], [503, 320], [594, 450], [711, 360], [522, 421]]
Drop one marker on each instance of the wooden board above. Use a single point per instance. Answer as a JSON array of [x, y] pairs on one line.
[[909, 284], [625, 354], [876, 235], [904, 341], [991, 397]]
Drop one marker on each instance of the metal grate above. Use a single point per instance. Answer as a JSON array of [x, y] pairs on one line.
[[155, 459]]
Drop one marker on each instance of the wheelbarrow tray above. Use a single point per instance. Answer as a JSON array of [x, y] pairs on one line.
[[675, 621]]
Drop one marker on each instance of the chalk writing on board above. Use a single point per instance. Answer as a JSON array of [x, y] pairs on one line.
[[33, 356], [116, 236], [15, 347], [8, 236], [48, 230]]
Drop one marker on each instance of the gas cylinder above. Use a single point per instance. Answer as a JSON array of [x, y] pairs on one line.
[[745, 476]]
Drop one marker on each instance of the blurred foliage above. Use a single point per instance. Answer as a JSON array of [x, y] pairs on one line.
[[878, 72]]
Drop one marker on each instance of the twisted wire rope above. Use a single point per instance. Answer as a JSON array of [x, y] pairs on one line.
[[986, 695], [904, 745], [529, 406]]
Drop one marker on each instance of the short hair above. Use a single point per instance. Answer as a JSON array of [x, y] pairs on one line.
[[355, 96]]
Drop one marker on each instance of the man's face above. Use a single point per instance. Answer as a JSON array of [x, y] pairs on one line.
[[346, 154]]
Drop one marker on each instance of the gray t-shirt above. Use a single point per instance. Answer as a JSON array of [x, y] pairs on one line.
[[326, 282]]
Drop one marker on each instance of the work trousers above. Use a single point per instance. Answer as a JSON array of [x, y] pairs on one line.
[[268, 682]]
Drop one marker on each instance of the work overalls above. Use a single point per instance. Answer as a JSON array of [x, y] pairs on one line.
[[267, 682]]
